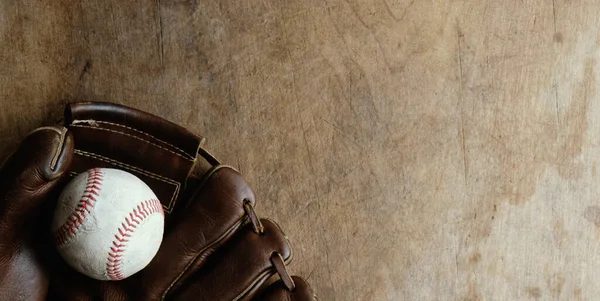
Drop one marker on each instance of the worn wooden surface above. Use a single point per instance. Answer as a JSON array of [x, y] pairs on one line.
[[412, 150]]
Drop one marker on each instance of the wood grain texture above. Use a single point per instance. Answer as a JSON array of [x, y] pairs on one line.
[[412, 150]]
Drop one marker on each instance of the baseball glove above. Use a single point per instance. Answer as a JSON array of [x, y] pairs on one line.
[[215, 247]]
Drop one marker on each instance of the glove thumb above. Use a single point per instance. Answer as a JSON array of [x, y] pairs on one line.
[[29, 175]]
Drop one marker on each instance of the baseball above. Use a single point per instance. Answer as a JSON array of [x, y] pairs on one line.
[[108, 224]]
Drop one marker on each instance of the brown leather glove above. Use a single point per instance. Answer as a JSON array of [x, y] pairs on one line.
[[27, 179], [214, 247]]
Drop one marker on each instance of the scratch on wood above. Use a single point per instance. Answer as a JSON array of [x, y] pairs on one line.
[[406, 9], [456, 264], [114, 24], [356, 14], [350, 52], [309, 154], [389, 11], [159, 33], [21, 41], [86, 68], [456, 269], [379, 45], [556, 105], [555, 84], [385, 59], [554, 15], [327, 259], [343, 135], [461, 96]]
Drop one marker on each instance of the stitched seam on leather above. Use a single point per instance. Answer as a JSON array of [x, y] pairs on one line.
[[272, 271], [63, 133], [187, 267], [44, 128], [114, 262], [173, 200], [203, 181], [141, 132], [109, 160], [77, 124], [261, 276], [287, 240], [207, 175], [87, 201], [134, 137]]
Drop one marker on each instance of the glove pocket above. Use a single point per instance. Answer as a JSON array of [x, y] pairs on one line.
[[157, 151]]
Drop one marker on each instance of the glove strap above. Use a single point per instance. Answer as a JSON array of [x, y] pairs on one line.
[[276, 258], [257, 226], [157, 151], [279, 263]]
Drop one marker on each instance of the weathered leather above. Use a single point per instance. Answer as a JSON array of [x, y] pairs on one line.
[[214, 247], [239, 268], [212, 216], [157, 151], [27, 178]]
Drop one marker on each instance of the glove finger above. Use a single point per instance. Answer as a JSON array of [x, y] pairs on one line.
[[211, 218], [278, 292], [29, 175], [240, 267]]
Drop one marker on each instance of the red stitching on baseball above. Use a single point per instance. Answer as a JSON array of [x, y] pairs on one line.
[[92, 187], [139, 213]]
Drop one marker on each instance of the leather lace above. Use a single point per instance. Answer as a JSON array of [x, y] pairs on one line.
[[276, 258]]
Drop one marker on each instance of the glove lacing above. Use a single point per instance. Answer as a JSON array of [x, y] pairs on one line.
[[276, 258]]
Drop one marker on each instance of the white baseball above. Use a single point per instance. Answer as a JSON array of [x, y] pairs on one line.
[[108, 224]]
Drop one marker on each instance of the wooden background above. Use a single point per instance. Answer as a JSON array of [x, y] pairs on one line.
[[411, 149]]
